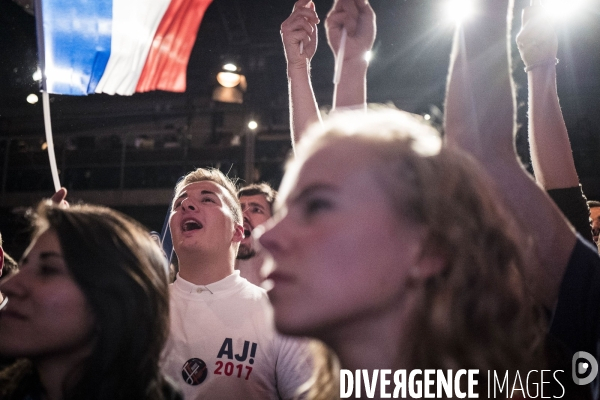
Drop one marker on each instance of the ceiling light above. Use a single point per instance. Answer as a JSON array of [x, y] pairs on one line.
[[230, 67], [229, 79], [37, 75], [32, 98], [561, 9], [460, 10]]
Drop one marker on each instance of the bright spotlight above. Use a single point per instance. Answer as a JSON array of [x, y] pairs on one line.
[[32, 98], [230, 67], [561, 9], [427, 117], [460, 10], [252, 125], [37, 75], [369, 56]]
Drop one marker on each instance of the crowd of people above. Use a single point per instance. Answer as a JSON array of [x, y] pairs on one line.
[[387, 246]]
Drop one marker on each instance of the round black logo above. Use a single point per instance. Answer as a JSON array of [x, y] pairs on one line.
[[194, 371]]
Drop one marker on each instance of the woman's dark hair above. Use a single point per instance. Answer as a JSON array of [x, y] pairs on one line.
[[123, 276]]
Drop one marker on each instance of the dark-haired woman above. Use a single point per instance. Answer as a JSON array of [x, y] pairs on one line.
[[88, 312]]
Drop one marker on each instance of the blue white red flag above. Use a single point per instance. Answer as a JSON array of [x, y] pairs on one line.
[[116, 46]]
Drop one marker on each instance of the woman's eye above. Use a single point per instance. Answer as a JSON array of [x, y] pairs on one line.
[[47, 270], [314, 206], [207, 200]]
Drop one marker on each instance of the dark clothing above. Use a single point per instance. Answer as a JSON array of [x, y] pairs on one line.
[[572, 203], [21, 382], [576, 319]]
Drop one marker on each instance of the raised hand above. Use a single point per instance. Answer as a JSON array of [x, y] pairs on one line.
[[299, 34], [358, 18], [537, 41]]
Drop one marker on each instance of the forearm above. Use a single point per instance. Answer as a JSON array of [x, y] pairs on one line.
[[550, 147], [304, 110], [351, 91], [479, 101]]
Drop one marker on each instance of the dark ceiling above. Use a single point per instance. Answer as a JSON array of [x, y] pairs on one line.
[[409, 65], [408, 69], [411, 56]]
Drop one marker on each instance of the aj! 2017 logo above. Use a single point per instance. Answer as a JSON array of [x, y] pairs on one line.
[[195, 371]]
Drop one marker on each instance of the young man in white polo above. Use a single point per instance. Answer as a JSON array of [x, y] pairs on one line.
[[222, 343]]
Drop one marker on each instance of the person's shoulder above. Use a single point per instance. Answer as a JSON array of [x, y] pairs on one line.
[[584, 256], [252, 292]]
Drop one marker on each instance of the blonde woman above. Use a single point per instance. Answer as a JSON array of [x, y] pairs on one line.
[[399, 256]]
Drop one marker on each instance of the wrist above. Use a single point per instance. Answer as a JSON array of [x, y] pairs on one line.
[[545, 64], [298, 69], [355, 67]]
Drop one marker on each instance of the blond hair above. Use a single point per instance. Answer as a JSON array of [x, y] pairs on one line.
[[216, 176], [475, 313]]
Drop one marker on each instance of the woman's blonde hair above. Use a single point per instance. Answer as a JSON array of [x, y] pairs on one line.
[[475, 313]]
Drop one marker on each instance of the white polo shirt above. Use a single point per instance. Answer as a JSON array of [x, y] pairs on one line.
[[223, 344]]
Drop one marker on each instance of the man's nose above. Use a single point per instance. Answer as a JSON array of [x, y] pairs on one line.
[[186, 204]]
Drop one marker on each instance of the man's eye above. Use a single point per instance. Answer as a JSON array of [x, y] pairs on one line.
[[257, 210]]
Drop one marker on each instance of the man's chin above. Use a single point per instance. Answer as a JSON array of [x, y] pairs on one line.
[[245, 252]]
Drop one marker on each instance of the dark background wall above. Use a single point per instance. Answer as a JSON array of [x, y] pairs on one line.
[[127, 152]]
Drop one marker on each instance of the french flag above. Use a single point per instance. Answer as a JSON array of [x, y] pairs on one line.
[[116, 46]]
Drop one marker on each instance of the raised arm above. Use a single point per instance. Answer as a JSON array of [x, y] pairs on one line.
[[550, 148], [358, 19], [549, 143], [480, 119], [299, 35]]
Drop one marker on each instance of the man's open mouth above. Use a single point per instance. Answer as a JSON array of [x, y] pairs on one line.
[[190, 225], [247, 230]]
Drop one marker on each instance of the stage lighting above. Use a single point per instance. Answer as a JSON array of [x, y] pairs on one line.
[[427, 117], [229, 79], [232, 84], [459, 10], [369, 56], [37, 75], [562, 9], [230, 75], [230, 67], [32, 98], [252, 125]]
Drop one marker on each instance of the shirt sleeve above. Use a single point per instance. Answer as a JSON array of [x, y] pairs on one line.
[[294, 367]]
